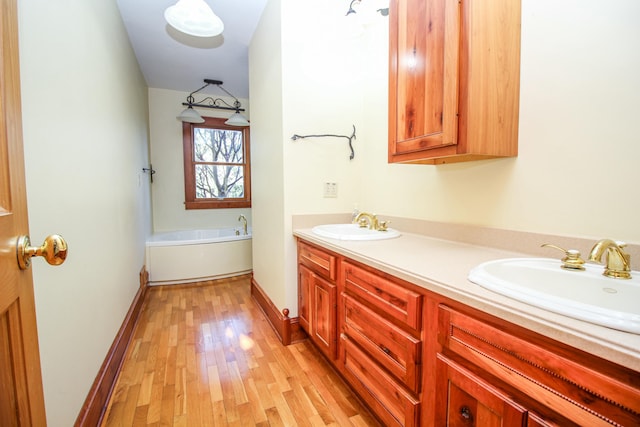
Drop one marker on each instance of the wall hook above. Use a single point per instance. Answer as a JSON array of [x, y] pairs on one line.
[[349, 138], [150, 170]]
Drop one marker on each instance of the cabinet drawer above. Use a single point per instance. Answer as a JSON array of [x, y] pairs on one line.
[[394, 405], [390, 298], [317, 260], [603, 395], [398, 351]]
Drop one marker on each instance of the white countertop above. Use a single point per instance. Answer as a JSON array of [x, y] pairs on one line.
[[442, 266]]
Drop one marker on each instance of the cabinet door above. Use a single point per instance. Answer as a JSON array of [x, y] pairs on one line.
[[323, 315], [423, 76], [563, 382], [305, 280], [454, 80], [463, 399]]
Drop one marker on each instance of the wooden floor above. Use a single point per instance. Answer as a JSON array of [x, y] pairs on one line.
[[204, 355]]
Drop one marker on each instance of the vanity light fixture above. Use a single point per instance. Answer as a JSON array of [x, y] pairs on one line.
[[190, 115], [194, 17]]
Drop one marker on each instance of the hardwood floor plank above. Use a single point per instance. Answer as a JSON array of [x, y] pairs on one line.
[[166, 410], [253, 396], [298, 391], [273, 416], [297, 409], [129, 407], [281, 406], [215, 388], [145, 389], [140, 416], [219, 414], [204, 355], [319, 405]]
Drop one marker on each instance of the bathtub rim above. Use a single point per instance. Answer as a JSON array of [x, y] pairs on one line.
[[184, 242]]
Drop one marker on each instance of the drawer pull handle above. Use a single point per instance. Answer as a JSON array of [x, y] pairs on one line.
[[465, 413]]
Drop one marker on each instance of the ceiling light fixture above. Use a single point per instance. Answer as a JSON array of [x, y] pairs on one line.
[[384, 11], [194, 17], [190, 115]]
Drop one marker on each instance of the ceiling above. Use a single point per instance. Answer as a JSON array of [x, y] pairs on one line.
[[172, 60]]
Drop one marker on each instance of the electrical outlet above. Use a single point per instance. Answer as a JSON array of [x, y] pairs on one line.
[[330, 189]]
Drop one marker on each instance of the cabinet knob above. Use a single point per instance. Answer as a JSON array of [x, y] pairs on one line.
[[465, 413]]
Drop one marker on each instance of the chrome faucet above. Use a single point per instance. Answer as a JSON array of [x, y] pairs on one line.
[[244, 223], [618, 264]]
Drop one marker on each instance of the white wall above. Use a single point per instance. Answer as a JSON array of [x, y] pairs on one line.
[[304, 80], [167, 159], [577, 170], [84, 105], [267, 164], [576, 173]]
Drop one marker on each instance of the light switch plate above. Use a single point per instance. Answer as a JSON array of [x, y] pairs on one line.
[[331, 189]]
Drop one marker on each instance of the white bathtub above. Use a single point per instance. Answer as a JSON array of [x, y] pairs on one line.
[[197, 255]]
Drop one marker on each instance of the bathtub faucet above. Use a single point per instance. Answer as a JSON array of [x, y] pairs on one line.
[[244, 223]]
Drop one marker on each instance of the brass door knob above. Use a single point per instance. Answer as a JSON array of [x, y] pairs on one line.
[[54, 251]]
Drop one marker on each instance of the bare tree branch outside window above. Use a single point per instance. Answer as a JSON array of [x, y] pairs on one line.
[[218, 157]]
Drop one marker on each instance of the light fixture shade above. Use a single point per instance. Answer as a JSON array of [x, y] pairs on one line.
[[237, 119], [194, 17], [189, 115]]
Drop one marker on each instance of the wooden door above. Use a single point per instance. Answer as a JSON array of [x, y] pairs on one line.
[[21, 397]]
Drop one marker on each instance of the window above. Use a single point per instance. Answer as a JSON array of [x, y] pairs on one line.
[[216, 165]]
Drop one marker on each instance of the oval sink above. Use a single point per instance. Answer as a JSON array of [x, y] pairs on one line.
[[353, 232], [585, 295]]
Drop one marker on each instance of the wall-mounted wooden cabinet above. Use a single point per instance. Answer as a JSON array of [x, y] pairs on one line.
[[454, 80]]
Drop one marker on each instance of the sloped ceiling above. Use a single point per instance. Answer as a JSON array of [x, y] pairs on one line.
[[173, 60]]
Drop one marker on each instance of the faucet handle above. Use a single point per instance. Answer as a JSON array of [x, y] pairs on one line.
[[572, 259], [382, 225]]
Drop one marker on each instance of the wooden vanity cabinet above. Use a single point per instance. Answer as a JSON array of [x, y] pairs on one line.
[[489, 369], [317, 297], [381, 343], [417, 358], [454, 80]]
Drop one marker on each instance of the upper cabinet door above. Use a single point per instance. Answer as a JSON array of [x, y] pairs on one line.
[[423, 72], [454, 80]]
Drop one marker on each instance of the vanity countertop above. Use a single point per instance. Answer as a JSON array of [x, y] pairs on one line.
[[442, 266]]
